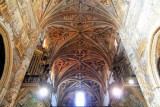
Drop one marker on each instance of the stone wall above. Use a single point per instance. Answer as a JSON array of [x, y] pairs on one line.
[[18, 20], [142, 21]]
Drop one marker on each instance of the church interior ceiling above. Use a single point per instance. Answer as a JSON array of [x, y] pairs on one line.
[[79, 48], [81, 37]]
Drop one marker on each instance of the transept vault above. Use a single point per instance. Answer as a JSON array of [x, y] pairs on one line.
[[79, 46]]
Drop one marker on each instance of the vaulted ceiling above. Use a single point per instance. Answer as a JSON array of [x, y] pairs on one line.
[[80, 42], [80, 36], [82, 46]]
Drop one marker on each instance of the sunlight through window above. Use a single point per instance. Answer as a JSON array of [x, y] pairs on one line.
[[80, 99]]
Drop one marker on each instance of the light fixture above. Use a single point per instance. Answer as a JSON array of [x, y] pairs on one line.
[[131, 81], [117, 92], [80, 98], [43, 92]]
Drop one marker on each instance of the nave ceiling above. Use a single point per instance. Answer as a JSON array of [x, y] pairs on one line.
[[79, 40], [80, 37]]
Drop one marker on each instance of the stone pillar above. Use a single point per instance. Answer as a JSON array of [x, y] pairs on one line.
[[142, 20], [106, 99], [15, 84], [54, 100]]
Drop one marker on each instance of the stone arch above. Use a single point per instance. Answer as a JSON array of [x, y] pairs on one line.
[[154, 57], [4, 81]]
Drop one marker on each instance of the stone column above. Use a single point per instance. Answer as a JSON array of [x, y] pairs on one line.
[[106, 99], [54, 100], [20, 73], [142, 21]]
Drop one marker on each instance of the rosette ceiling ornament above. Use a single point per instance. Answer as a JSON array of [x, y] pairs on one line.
[[80, 36]]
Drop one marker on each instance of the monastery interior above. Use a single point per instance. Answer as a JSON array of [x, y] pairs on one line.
[[80, 53]]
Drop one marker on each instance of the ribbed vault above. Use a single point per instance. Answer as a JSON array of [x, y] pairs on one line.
[[80, 35]]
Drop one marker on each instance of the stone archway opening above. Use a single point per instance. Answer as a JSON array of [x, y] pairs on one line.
[[2, 56], [6, 59]]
